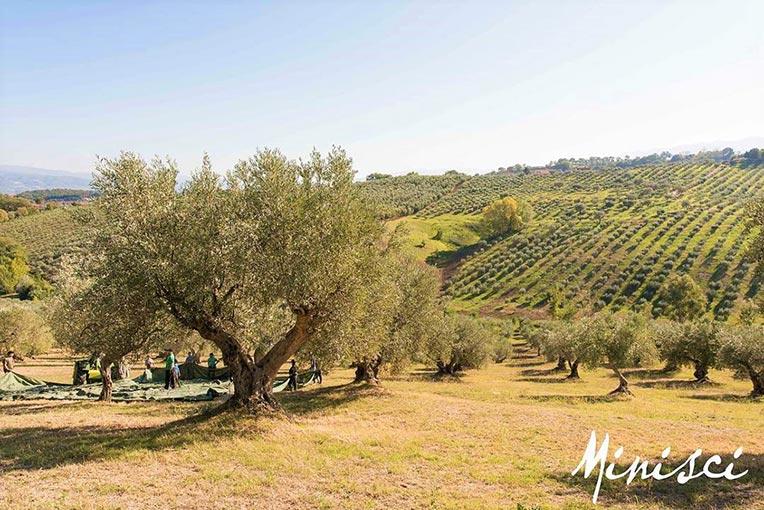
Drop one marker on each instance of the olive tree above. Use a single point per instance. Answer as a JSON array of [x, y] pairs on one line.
[[569, 341], [696, 343], [682, 299], [24, 331], [742, 349], [98, 311], [389, 322], [13, 264], [619, 342], [278, 242], [463, 343], [536, 333]]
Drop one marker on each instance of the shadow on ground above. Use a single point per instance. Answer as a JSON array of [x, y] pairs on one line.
[[676, 384], [545, 371], [726, 397], [575, 398], [699, 494], [647, 373], [550, 380], [40, 447]]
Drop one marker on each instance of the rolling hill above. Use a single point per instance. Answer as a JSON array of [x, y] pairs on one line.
[[15, 179], [605, 239]]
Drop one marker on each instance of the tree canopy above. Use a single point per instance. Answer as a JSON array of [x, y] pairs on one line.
[[682, 299], [13, 264], [506, 215], [24, 330], [264, 261]]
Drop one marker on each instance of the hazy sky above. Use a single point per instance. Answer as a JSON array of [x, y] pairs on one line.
[[402, 86]]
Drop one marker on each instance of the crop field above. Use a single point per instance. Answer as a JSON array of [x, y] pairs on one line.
[[504, 437], [607, 239], [50, 236]]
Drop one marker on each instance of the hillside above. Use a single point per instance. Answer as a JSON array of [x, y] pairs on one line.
[[50, 236], [607, 239]]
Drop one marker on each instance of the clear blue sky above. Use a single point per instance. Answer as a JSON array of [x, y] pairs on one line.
[[402, 86]]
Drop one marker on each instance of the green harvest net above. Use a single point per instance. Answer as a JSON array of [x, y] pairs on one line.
[[14, 386]]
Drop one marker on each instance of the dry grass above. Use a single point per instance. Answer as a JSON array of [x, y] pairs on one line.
[[504, 437]]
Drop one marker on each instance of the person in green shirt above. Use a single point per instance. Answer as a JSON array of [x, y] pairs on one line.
[[168, 364], [212, 363]]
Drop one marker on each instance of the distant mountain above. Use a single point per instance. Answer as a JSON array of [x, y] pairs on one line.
[[15, 179]]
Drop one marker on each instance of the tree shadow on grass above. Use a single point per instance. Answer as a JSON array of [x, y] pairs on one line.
[[327, 397], [47, 447], [529, 364], [676, 384], [37, 407], [701, 493], [437, 377], [727, 397], [584, 399], [646, 373], [41, 447], [545, 371], [550, 380]]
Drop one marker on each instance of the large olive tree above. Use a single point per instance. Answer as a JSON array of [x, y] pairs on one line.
[[278, 245]]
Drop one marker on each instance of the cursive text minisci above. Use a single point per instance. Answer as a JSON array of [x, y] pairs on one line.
[[596, 458]]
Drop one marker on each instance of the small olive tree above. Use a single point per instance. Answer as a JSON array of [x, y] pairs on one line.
[[569, 342], [463, 343], [682, 299], [696, 343], [13, 264], [389, 322], [103, 314], [742, 349], [618, 342], [24, 331]]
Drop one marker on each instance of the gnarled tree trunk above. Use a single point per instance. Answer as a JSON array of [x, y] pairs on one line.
[[623, 384], [561, 364], [701, 372], [573, 370], [757, 378], [368, 370], [106, 380], [253, 381], [450, 368]]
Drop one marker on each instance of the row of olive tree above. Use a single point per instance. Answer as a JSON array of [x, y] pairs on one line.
[[620, 341]]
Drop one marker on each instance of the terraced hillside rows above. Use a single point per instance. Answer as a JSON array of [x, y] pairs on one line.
[[607, 239], [50, 236]]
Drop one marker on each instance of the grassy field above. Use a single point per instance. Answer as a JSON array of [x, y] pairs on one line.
[[504, 437]]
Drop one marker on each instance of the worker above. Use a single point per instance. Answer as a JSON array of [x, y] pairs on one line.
[[212, 363], [8, 363], [169, 362], [292, 384]]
